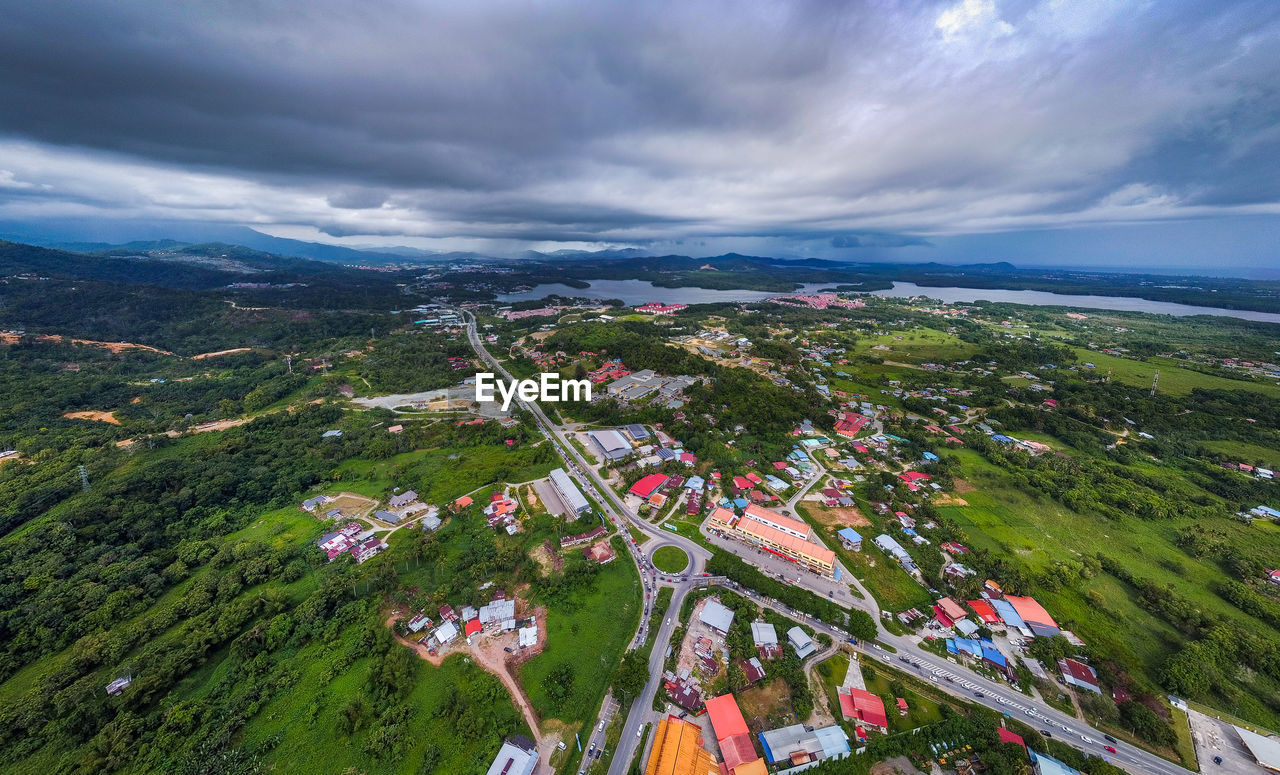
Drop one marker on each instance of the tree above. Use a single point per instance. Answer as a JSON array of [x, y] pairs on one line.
[[630, 677]]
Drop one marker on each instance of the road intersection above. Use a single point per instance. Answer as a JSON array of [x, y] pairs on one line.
[[949, 677]]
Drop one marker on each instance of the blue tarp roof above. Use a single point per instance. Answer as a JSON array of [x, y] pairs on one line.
[[1009, 616], [849, 534], [930, 456]]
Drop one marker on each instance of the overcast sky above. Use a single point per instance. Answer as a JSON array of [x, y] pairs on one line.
[[1104, 133]]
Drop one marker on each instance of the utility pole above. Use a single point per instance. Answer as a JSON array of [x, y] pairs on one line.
[[1155, 381], [84, 479]]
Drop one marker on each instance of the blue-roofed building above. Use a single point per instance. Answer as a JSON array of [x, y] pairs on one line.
[[850, 539], [741, 503], [1044, 764], [695, 483], [1004, 609], [931, 457], [775, 483], [1003, 439], [966, 627]]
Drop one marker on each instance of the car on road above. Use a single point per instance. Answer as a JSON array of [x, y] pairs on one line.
[[1217, 760], [601, 727], [977, 694], [1109, 738], [1108, 749], [1046, 733]]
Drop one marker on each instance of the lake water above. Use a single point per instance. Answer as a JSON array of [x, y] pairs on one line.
[[1046, 299], [641, 291]]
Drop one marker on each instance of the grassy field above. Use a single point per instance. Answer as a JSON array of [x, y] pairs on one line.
[[1242, 452], [670, 559], [1173, 379], [1053, 541], [892, 587], [923, 345], [588, 631]]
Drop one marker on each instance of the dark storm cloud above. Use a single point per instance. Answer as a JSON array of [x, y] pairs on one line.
[[841, 126]]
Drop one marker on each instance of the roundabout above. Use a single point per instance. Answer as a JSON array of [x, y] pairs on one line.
[[670, 559]]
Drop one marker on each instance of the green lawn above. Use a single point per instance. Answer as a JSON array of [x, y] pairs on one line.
[[670, 559]]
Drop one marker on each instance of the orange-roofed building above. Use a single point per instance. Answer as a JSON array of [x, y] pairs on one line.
[[775, 520], [787, 545], [1034, 615], [722, 519], [737, 751], [463, 502], [725, 717], [677, 750], [756, 767]]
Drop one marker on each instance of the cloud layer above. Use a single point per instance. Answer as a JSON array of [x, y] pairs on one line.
[[827, 127]]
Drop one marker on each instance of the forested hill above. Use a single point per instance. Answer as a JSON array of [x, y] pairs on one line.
[[193, 300]]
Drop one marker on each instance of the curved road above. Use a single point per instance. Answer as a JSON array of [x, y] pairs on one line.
[[949, 677]]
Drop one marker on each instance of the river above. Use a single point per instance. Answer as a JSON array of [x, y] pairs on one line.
[[641, 291]]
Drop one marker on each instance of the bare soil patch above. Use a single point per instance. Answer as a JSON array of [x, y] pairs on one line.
[[962, 486], [547, 558], [353, 505], [898, 765], [219, 425], [115, 347], [108, 417], [841, 517], [215, 354], [767, 700], [947, 499]]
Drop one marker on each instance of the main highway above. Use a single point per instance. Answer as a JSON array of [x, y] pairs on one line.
[[618, 514], [949, 677]]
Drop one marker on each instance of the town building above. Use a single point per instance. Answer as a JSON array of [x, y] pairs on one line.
[[403, 499], [716, 616], [612, 444], [518, 756], [677, 750], [734, 738], [1079, 675], [850, 539], [801, 642], [797, 744], [568, 492], [864, 709], [1044, 764]]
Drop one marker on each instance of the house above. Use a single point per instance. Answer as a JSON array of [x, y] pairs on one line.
[[116, 687], [403, 499], [902, 707], [581, 538], [462, 503], [797, 744], [1273, 576], [599, 553], [716, 616], [518, 756], [311, 504], [864, 708], [418, 623], [753, 669], [395, 429], [986, 614], [446, 632], [472, 627], [386, 516], [367, 549], [1044, 764], [801, 642], [497, 612], [1079, 675], [951, 608], [850, 539], [331, 435], [1033, 615]]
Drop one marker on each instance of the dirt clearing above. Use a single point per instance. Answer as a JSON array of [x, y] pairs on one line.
[[962, 486], [842, 517], [947, 499], [765, 703], [202, 356], [108, 417]]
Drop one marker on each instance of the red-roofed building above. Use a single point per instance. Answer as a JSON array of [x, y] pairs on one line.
[[865, 708], [1008, 737], [1079, 674], [737, 751], [780, 466], [726, 718], [902, 706], [471, 628], [985, 612], [742, 483], [1031, 612], [755, 478], [951, 608], [941, 616], [648, 485]]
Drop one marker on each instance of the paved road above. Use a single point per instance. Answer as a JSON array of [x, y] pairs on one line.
[[951, 678], [618, 514]]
